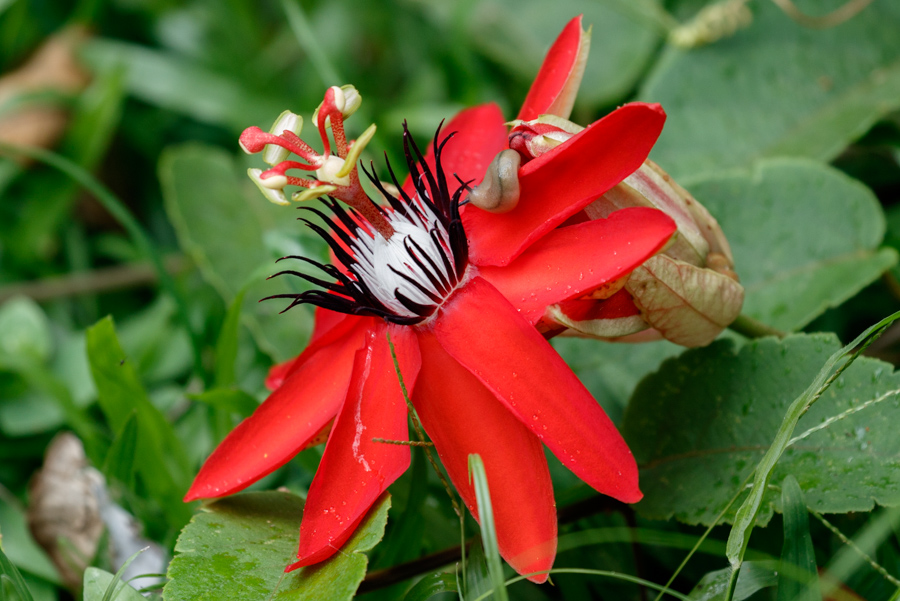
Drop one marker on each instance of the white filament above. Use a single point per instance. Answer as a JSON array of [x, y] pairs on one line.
[[375, 256]]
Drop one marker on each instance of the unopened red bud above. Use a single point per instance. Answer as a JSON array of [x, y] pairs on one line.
[[533, 138]]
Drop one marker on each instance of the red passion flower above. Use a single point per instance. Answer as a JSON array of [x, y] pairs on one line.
[[457, 290]]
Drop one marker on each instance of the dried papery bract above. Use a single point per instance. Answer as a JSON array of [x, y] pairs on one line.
[[688, 294]]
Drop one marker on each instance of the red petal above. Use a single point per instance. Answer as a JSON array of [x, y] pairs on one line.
[[284, 424], [355, 470], [563, 181], [480, 135], [462, 417], [521, 368], [571, 261], [329, 326], [554, 89], [617, 306], [278, 373]]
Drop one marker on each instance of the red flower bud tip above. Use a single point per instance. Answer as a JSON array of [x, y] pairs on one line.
[[533, 138]]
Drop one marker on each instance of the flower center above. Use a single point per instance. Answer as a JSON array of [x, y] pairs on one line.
[[405, 276], [412, 264]]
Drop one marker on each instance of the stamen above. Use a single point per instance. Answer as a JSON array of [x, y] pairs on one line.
[[399, 262]]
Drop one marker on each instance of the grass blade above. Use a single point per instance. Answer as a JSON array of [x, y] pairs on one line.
[[12, 579], [488, 533], [745, 519], [431, 585], [798, 578]]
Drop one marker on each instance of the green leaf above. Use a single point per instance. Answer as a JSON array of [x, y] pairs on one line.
[[611, 371], [25, 330], [11, 581], [21, 548], [227, 344], [119, 464], [776, 88], [404, 540], [97, 582], [859, 550], [699, 426], [48, 385], [488, 533], [798, 579], [432, 585], [805, 237], [518, 35], [228, 399], [753, 577], [222, 225], [163, 466], [168, 81], [745, 518], [241, 544], [30, 414]]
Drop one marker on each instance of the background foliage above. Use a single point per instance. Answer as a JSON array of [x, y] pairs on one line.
[[131, 260]]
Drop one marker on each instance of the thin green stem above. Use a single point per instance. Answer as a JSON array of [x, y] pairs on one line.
[[752, 328], [840, 15], [705, 534], [875, 565], [843, 415], [421, 436], [307, 40], [607, 573]]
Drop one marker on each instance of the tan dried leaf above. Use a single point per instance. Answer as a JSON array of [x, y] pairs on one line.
[[689, 305], [53, 67]]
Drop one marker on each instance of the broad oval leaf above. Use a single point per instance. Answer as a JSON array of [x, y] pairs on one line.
[[236, 548], [224, 227], [805, 237], [776, 88], [699, 426], [25, 330]]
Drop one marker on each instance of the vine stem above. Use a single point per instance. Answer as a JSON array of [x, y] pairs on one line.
[[843, 538], [752, 328], [95, 281]]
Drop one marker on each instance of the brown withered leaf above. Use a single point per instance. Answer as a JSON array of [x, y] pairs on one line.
[[52, 68], [689, 305]]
